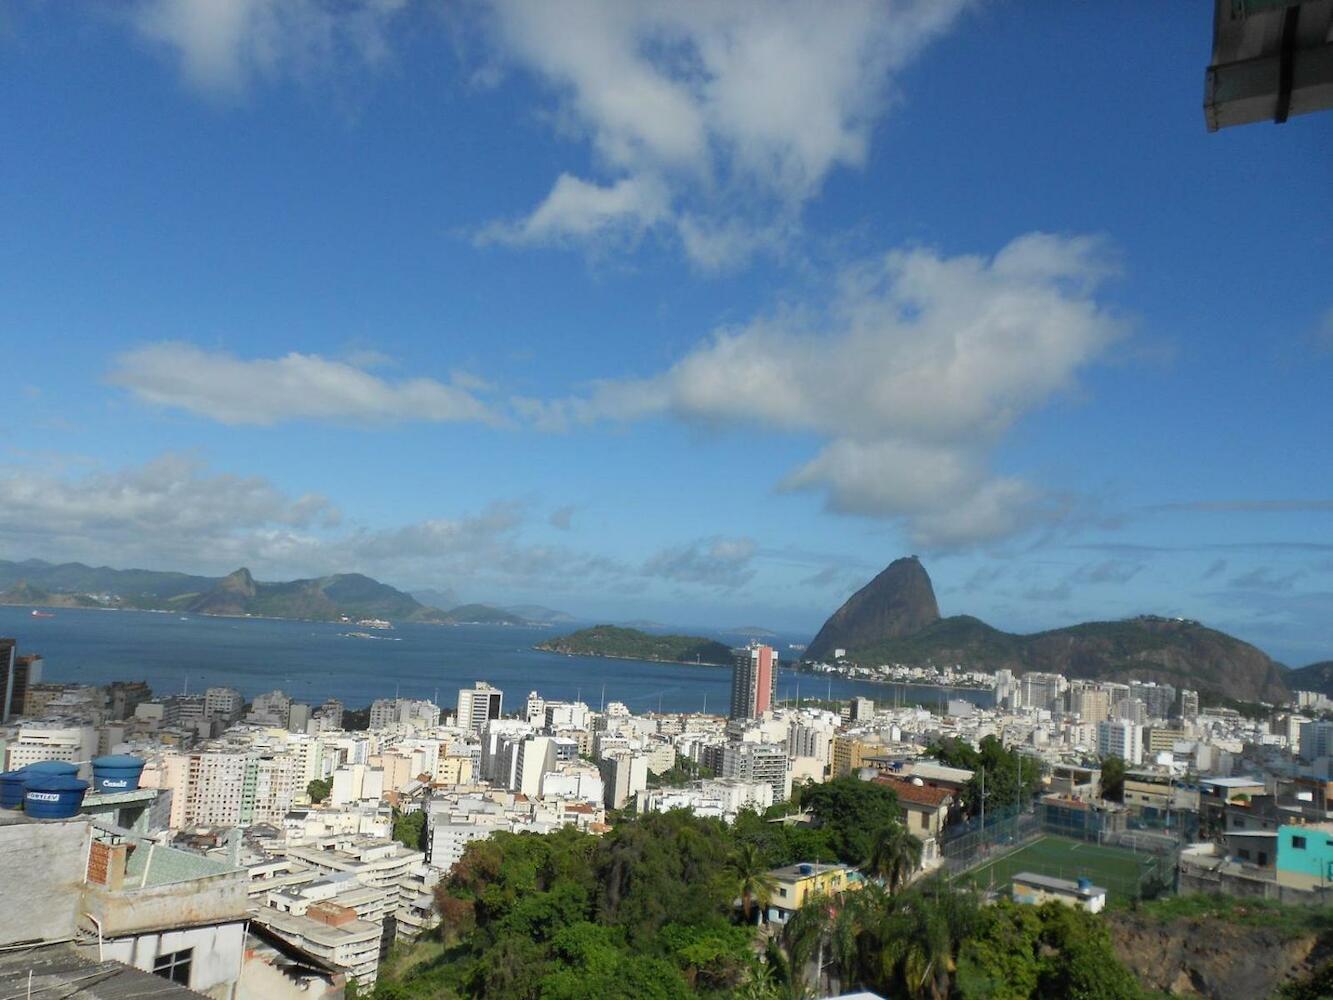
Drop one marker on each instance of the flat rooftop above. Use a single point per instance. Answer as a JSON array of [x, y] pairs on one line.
[[1058, 885]]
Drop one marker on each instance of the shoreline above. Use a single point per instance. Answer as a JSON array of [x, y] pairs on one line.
[[634, 659]]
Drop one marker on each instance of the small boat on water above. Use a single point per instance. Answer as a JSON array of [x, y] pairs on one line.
[[38, 613]]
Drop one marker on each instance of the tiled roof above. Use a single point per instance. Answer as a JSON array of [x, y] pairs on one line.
[[917, 795]]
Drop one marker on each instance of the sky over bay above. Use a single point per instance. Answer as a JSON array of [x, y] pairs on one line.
[[699, 313]]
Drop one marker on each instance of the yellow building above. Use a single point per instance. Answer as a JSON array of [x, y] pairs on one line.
[[794, 884], [850, 753]]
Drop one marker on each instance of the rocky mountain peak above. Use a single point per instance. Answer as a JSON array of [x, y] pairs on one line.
[[898, 602]]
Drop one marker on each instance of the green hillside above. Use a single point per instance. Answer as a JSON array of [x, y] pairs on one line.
[[631, 644]]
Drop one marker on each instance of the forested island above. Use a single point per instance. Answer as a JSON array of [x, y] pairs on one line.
[[632, 644]]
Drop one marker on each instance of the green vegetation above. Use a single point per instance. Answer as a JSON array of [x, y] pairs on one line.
[[1119, 871], [682, 772], [1113, 778], [319, 789], [1011, 778], [895, 854], [1288, 921], [1183, 653], [931, 941], [850, 812], [657, 908], [409, 829], [631, 644], [25, 593], [1017, 952]]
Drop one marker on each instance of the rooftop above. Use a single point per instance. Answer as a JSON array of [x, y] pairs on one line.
[[914, 794], [58, 972], [808, 869], [1059, 885]]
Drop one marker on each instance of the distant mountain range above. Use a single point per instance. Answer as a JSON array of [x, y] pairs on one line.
[[329, 598], [895, 619]]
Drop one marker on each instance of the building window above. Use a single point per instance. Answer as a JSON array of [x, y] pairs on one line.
[[1298, 843], [175, 966]]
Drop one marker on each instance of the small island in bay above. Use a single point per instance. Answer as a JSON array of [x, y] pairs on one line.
[[631, 644]]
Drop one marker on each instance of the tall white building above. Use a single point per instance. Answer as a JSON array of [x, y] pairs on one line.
[[1120, 738], [478, 705], [766, 762], [1041, 691]]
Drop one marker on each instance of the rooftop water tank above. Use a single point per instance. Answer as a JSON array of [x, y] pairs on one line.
[[1084, 884], [53, 796], [11, 789], [116, 773], [47, 767], [805, 869]]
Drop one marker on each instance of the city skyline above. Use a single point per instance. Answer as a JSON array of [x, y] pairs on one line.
[[448, 302]]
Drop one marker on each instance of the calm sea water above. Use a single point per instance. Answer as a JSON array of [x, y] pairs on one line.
[[312, 661]]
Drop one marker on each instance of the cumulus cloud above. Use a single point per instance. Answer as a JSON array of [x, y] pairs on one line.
[[713, 121], [716, 562], [168, 510], [577, 210], [264, 391], [911, 377], [224, 44], [173, 512]]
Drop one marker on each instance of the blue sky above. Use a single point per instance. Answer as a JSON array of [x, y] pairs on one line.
[[702, 314]]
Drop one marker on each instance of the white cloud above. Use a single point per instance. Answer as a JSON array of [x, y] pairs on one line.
[[169, 509], [714, 562], [732, 115], [576, 210], [911, 377], [223, 44], [173, 513], [296, 386], [712, 124]]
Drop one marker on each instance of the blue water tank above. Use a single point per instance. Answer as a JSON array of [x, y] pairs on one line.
[[116, 773], [806, 869], [1084, 884], [11, 789], [53, 796], [48, 767]]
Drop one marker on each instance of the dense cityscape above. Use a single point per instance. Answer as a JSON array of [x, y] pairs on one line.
[[300, 846]]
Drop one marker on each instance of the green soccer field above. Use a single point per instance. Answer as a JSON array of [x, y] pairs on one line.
[[1117, 870]]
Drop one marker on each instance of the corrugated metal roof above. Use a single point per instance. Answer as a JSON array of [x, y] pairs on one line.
[[58, 972]]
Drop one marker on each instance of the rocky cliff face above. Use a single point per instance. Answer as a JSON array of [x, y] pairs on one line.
[[898, 602], [1214, 958]]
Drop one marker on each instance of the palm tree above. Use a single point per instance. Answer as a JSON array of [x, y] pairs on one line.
[[924, 934], [803, 941], [750, 876], [895, 854]]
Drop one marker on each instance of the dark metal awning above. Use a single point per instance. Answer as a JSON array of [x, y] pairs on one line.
[[1271, 59]]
